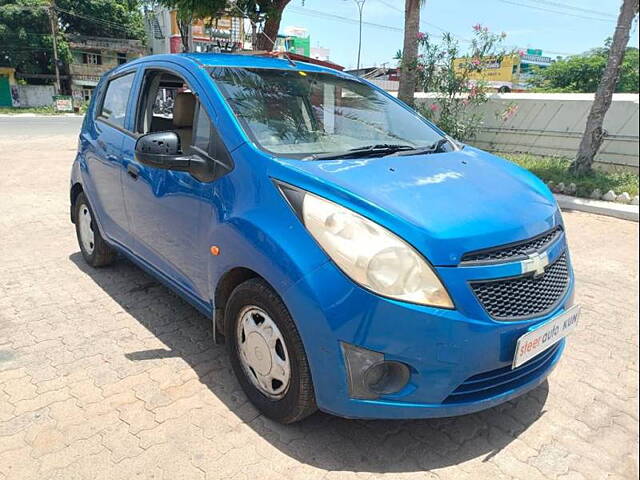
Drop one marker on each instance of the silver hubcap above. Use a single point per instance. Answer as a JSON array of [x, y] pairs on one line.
[[263, 353], [86, 231]]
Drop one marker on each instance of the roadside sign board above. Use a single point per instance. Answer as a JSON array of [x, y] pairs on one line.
[[63, 103]]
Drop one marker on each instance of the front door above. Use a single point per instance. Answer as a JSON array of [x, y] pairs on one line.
[[171, 212]]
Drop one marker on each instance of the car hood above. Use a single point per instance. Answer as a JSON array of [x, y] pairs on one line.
[[444, 204]]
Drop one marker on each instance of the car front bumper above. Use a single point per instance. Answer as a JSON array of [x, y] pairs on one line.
[[459, 362]]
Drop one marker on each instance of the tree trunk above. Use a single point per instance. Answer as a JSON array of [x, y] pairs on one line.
[[407, 87], [271, 27], [594, 133], [184, 26], [254, 36]]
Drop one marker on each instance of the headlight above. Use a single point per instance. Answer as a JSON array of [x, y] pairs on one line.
[[370, 254]]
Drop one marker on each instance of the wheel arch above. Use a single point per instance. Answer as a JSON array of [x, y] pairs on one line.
[[226, 284], [76, 189]]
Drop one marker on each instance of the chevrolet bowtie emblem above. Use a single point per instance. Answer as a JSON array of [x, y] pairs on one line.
[[535, 263]]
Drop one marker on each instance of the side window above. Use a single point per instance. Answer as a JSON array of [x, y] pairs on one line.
[[114, 105], [202, 132]]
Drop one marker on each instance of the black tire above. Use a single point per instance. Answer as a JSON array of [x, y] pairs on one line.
[[299, 400], [102, 254]]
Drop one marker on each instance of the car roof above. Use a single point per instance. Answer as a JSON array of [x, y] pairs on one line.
[[232, 60]]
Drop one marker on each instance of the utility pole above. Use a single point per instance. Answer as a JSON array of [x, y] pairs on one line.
[[53, 20], [360, 4]]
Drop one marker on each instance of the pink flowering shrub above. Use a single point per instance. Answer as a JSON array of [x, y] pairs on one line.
[[451, 74]]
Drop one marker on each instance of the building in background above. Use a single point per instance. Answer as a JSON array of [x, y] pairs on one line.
[[91, 57], [320, 53], [224, 34], [532, 60], [294, 40], [384, 77]]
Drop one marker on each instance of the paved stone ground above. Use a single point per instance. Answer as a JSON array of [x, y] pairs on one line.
[[106, 374]]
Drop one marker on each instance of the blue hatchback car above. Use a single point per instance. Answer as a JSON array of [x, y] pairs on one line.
[[353, 257]]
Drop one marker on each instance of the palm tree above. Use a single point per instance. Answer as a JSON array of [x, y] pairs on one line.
[[408, 74], [594, 133]]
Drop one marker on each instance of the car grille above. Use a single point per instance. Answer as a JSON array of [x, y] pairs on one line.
[[513, 251], [495, 382], [523, 297]]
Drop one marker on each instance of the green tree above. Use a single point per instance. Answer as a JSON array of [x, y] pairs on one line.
[[26, 43], [102, 18], [25, 30], [582, 73]]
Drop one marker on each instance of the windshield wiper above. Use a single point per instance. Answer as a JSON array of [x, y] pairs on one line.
[[433, 148], [378, 149]]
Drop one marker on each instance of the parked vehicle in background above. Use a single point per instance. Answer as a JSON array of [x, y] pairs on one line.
[[353, 257], [510, 73]]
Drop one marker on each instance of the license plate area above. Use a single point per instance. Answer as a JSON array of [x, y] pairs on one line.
[[536, 341]]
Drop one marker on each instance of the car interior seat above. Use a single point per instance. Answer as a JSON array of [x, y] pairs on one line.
[[183, 110]]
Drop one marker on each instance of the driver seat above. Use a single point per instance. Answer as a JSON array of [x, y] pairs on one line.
[[183, 110]]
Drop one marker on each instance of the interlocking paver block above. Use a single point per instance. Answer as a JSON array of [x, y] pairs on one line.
[[106, 374]]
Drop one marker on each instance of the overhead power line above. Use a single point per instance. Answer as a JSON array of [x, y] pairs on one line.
[[575, 15], [318, 13], [422, 22], [459, 38], [570, 6]]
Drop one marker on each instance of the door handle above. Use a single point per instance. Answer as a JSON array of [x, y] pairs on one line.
[[133, 171], [102, 145]]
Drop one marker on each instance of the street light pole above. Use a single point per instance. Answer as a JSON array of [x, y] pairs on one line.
[[360, 5]]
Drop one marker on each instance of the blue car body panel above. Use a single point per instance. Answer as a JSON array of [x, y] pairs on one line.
[[444, 205]]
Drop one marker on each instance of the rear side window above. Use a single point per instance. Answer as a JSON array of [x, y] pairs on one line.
[[114, 105]]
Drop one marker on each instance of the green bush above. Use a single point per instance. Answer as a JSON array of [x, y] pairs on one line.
[[556, 170]]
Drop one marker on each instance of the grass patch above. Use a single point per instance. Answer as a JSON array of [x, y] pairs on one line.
[[47, 110], [556, 170]]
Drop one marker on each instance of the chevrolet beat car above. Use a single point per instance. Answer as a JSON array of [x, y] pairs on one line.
[[352, 256]]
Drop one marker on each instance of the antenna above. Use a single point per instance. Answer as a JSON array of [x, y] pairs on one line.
[[253, 24]]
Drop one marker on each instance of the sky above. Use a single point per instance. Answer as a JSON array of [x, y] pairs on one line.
[[558, 27]]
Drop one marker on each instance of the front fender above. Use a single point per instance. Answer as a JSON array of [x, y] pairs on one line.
[[269, 240]]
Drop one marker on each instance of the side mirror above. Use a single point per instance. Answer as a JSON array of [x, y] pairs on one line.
[[162, 150]]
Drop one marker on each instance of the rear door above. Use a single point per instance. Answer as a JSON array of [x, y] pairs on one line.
[[104, 157]]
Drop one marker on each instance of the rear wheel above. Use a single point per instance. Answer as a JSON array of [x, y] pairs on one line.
[[94, 249], [267, 354]]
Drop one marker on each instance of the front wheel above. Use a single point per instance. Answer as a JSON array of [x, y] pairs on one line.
[[267, 354]]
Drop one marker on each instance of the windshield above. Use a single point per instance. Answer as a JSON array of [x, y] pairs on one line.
[[300, 114]]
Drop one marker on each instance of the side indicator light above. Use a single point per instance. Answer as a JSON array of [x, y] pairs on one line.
[[215, 250]]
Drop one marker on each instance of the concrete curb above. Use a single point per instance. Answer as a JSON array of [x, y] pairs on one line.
[[610, 209], [40, 115]]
